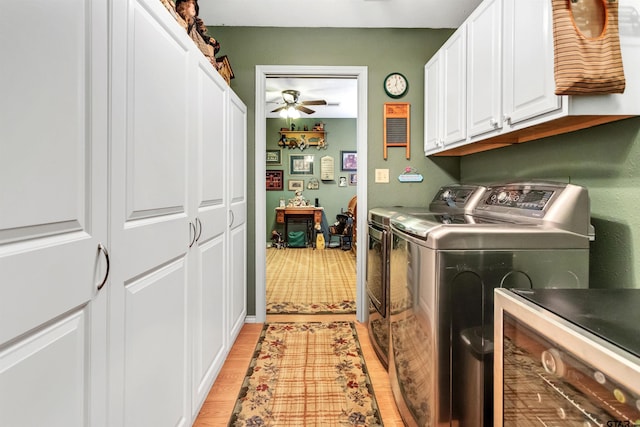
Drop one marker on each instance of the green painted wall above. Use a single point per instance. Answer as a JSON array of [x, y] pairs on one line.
[[382, 51], [340, 136], [606, 160]]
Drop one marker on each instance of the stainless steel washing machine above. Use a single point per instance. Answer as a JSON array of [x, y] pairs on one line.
[[443, 269], [453, 199]]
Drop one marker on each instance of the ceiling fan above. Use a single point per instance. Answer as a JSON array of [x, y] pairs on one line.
[[290, 98]]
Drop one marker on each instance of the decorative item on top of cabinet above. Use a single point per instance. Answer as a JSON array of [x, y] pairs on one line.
[[396, 126], [303, 139], [186, 13], [224, 68]]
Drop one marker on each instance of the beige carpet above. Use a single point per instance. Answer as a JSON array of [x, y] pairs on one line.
[[306, 281], [307, 374]]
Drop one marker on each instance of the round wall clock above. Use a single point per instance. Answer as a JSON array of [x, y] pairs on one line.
[[396, 85]]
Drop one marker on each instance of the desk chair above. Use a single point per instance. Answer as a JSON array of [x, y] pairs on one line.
[[343, 230]]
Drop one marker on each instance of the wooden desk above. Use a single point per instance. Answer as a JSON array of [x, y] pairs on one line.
[[309, 214]]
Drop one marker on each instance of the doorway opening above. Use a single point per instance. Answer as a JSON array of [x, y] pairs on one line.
[[329, 72]]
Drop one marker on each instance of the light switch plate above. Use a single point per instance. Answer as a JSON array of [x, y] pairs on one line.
[[382, 176]]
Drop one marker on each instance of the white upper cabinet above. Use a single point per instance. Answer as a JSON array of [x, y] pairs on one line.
[[433, 105], [445, 95], [529, 84], [509, 81], [484, 68]]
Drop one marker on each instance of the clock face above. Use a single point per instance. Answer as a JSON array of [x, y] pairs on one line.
[[396, 85]]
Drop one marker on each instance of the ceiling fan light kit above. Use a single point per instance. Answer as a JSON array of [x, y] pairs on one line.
[[292, 106]]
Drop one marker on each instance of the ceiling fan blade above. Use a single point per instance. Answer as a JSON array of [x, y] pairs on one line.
[[304, 109], [318, 102], [279, 109]]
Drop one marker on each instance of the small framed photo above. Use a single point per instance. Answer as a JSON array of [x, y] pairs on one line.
[[296, 184], [300, 164], [349, 160], [275, 180], [342, 182], [353, 178], [274, 157]]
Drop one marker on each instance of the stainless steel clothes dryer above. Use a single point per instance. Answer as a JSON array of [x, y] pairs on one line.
[[443, 270], [453, 198]]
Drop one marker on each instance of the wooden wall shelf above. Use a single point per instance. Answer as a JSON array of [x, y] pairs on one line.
[[310, 138]]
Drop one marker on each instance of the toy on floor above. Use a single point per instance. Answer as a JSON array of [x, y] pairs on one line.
[[277, 240], [319, 236]]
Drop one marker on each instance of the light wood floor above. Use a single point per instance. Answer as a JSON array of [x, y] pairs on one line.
[[218, 406]]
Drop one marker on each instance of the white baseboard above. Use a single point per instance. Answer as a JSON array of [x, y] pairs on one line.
[[250, 319]]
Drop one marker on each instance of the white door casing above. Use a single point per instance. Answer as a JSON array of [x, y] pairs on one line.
[[262, 73]]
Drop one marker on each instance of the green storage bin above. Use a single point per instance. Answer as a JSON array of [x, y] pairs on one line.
[[297, 239]]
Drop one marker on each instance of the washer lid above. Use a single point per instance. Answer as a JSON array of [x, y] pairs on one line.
[[420, 224]]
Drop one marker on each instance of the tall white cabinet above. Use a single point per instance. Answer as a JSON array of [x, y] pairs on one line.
[[53, 213], [124, 161]]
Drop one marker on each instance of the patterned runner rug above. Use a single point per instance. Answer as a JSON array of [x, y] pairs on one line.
[[307, 374], [307, 281]]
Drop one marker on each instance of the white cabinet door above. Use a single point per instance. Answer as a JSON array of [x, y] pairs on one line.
[[236, 170], [484, 68], [445, 95], [208, 213], [53, 214], [454, 97], [529, 83], [149, 355], [433, 105]]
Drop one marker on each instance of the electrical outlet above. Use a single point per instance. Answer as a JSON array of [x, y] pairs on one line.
[[382, 176]]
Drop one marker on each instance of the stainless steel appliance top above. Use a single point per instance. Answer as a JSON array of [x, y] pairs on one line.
[[553, 214], [451, 198], [611, 314]]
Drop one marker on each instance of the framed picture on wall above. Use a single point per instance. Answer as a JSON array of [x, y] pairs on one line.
[[300, 164], [353, 178], [275, 180], [349, 160], [296, 184], [274, 157]]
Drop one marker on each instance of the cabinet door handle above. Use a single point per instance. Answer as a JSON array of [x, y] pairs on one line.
[[232, 217], [106, 256], [199, 228], [507, 120], [192, 227], [493, 123]]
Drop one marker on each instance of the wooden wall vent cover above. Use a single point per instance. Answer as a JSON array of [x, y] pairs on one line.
[[397, 126]]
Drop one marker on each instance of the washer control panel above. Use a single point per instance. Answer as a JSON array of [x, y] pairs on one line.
[[561, 205], [521, 198]]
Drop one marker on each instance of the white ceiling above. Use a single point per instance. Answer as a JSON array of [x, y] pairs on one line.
[[337, 13], [341, 94]]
